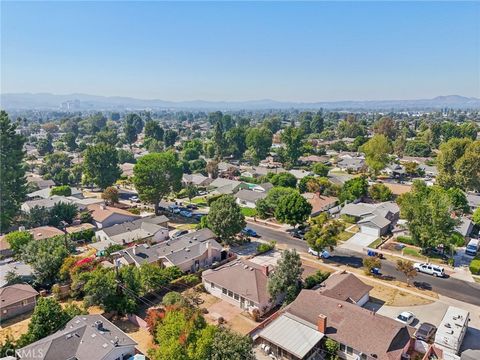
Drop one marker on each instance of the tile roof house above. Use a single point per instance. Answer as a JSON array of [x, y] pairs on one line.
[[241, 283], [85, 337], [249, 198], [320, 203], [16, 299], [373, 219], [299, 328], [105, 216], [189, 252], [153, 229], [346, 287]]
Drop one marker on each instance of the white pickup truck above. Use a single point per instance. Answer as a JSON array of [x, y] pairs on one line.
[[430, 269]]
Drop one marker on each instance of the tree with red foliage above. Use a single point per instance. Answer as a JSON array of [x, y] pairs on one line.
[[154, 317]]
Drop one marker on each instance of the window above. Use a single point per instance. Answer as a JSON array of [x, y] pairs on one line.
[[224, 291], [236, 297], [342, 347], [230, 293], [25, 302], [363, 356], [251, 303], [349, 350], [212, 285]]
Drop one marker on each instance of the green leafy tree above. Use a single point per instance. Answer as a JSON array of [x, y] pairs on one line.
[[100, 165], [459, 201], [386, 126], [219, 140], [292, 137], [228, 345], [323, 233], [266, 207], [380, 192], [476, 216], [428, 213], [125, 156], [371, 262], [287, 278], [450, 153], [320, 169], [70, 141], [153, 130], [317, 123], [225, 218], [156, 175], [236, 141], [293, 209], [18, 239], [259, 142], [417, 148], [191, 191], [62, 212], [136, 122], [376, 152], [38, 216], [173, 298], [12, 172], [45, 146], [284, 179], [353, 189], [130, 134], [46, 258], [468, 168], [169, 138]]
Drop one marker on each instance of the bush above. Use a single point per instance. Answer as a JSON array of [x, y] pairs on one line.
[[262, 248], [135, 211], [405, 240], [371, 262], [211, 199], [315, 279], [63, 190], [348, 219], [457, 239], [475, 266]]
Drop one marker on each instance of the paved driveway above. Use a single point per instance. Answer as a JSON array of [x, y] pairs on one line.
[[358, 242]]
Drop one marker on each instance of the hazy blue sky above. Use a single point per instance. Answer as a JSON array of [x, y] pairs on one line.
[[242, 51]]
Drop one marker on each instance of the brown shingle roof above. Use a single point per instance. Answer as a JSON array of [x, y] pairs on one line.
[[345, 287], [352, 325], [319, 202], [101, 212], [12, 294], [242, 277], [45, 232]]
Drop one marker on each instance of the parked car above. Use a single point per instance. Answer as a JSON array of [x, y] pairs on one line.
[[430, 269], [174, 209], [425, 332], [249, 232], [323, 254], [186, 213], [179, 233], [472, 247], [202, 193], [198, 216], [134, 199], [192, 207], [406, 317]]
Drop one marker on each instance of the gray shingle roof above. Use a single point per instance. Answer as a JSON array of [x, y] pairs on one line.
[[80, 339], [249, 195]]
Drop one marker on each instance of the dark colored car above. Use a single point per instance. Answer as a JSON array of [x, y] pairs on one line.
[[425, 332], [192, 207], [179, 233], [249, 232]]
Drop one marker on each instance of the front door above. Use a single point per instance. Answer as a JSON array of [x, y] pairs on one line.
[[242, 303]]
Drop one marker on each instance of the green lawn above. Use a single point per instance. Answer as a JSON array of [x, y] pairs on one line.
[[199, 201], [412, 252], [375, 243], [249, 211], [345, 235]]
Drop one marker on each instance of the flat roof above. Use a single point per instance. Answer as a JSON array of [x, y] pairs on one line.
[[450, 332], [292, 334]]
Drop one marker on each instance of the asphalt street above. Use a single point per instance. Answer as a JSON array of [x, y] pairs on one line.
[[453, 288]]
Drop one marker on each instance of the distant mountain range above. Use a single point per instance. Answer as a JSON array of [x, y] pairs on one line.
[[77, 102]]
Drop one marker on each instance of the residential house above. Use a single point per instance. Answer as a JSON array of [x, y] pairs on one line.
[[373, 219], [346, 287], [465, 227], [265, 187], [151, 229], [395, 170], [249, 198], [90, 337], [320, 203], [22, 270], [223, 186], [45, 232], [196, 179], [40, 182], [298, 330], [45, 194], [300, 174], [47, 203], [312, 159], [190, 252], [473, 201], [351, 164], [105, 216], [16, 300], [241, 283]]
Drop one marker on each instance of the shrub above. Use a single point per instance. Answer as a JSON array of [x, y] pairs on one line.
[[348, 219], [211, 199], [262, 247], [457, 239], [135, 211], [315, 279], [63, 190], [248, 212], [371, 262], [475, 266], [405, 240]]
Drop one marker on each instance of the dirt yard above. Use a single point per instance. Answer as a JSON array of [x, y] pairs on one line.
[[140, 335], [394, 297]]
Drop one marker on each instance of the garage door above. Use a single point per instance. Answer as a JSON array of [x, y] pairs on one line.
[[370, 231]]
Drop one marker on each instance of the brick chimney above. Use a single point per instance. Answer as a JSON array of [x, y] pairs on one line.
[[322, 323]]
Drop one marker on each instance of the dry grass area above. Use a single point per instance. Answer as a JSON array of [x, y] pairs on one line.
[[312, 266], [394, 297], [140, 335]]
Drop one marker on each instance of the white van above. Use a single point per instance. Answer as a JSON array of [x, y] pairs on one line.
[[430, 269], [472, 247]]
